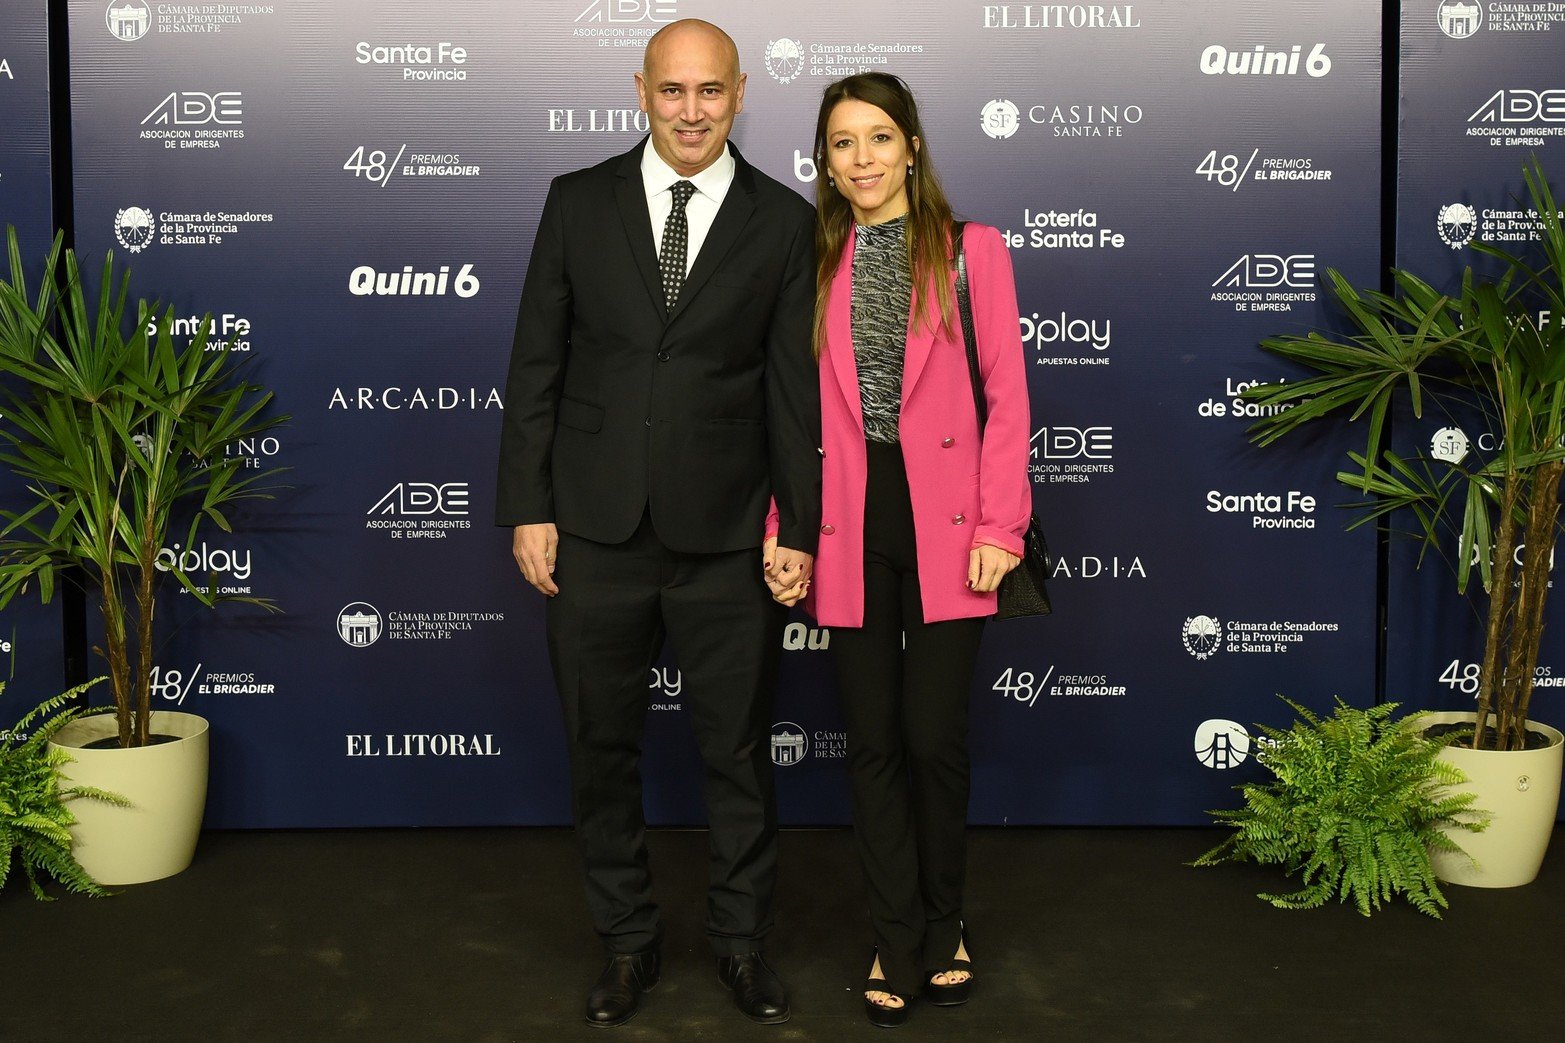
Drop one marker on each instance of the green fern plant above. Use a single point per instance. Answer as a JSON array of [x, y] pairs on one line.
[[35, 820], [1357, 803]]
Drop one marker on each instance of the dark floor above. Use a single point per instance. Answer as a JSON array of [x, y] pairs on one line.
[[481, 935]]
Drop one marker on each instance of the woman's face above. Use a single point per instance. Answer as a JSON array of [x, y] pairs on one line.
[[868, 157]]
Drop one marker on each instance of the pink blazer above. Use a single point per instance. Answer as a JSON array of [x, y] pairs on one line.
[[964, 493]]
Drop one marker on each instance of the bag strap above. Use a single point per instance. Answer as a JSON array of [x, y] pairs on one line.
[[964, 305]]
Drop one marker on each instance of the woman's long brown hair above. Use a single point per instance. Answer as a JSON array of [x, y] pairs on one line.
[[929, 212]]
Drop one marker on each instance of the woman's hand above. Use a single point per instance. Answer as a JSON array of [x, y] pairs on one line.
[[787, 584], [986, 566]]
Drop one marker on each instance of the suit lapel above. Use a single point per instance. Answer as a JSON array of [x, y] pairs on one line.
[[631, 196], [732, 216], [920, 339], [839, 333]]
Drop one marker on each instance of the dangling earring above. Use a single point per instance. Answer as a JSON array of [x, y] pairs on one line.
[[910, 170], [831, 182]]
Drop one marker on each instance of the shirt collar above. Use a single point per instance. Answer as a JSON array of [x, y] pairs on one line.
[[657, 176]]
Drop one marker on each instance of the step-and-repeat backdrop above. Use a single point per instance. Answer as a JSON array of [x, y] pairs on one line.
[[31, 657], [351, 189], [1483, 89]]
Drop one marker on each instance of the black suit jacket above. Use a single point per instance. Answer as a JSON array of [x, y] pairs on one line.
[[613, 403]]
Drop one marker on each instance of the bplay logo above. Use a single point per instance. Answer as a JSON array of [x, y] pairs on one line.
[[1000, 118], [790, 745], [1092, 336], [1459, 19], [128, 20], [1457, 224], [1222, 744], [784, 59], [359, 624]]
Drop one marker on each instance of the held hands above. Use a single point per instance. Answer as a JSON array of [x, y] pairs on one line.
[[533, 547], [787, 571], [986, 566]]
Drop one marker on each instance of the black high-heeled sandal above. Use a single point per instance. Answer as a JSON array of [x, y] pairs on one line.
[[880, 1015], [953, 994]]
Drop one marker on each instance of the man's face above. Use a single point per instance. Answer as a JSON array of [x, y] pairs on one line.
[[691, 90]]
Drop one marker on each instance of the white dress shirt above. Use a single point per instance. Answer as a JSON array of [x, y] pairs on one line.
[[657, 178]]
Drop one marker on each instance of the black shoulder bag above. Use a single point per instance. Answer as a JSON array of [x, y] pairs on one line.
[[1022, 591]]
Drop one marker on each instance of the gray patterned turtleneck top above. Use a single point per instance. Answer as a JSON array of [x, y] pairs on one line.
[[882, 301]]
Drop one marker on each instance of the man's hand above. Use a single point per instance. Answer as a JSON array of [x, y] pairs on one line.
[[533, 547], [987, 566], [787, 571]]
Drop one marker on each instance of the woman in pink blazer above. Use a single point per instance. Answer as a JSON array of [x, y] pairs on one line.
[[920, 516]]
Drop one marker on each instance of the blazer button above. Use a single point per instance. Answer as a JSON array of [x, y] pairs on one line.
[[663, 356], [947, 443], [827, 530], [959, 519], [648, 421]]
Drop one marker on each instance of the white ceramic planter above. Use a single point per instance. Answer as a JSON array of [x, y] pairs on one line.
[[166, 783], [1522, 789]]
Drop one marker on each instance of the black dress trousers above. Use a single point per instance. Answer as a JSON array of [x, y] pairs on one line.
[[617, 604], [905, 686]]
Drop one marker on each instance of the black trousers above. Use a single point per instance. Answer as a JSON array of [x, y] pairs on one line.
[[616, 606], [904, 686]]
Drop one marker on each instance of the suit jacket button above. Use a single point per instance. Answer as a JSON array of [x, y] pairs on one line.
[[947, 443], [827, 530], [663, 356], [648, 421], [959, 519]]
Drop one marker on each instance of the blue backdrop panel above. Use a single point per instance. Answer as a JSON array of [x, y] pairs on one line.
[[31, 658], [1481, 89], [353, 189]]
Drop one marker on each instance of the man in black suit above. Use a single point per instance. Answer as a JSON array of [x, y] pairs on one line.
[[661, 395]]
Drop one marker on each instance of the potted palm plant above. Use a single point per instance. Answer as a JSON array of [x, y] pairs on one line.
[[1497, 346], [119, 436]]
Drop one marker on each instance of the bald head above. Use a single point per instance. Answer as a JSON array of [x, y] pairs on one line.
[[691, 89], [691, 32]]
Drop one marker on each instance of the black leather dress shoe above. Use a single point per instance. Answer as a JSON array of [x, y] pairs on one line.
[[616, 996], [758, 992]]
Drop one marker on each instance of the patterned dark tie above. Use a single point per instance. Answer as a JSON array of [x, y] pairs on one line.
[[676, 236]]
